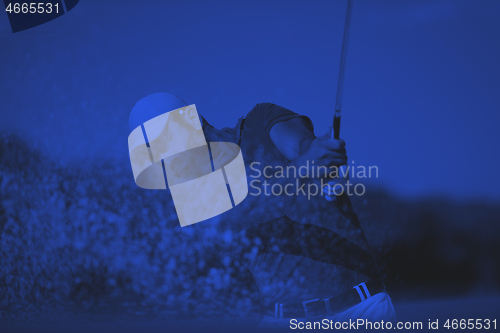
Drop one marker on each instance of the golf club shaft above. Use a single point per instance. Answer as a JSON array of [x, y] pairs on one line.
[[340, 85]]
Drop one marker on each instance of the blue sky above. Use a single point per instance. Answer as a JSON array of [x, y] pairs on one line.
[[421, 97]]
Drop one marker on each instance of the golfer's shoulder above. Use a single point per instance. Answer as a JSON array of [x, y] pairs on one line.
[[265, 112], [260, 109]]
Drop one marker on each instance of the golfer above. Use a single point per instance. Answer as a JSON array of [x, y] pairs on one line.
[[311, 259]]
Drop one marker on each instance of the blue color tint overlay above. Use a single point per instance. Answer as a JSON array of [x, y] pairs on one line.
[[421, 102]]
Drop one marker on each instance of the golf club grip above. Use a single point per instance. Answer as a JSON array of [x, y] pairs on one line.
[[336, 127], [343, 171]]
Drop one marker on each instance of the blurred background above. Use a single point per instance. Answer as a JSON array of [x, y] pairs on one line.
[[79, 240]]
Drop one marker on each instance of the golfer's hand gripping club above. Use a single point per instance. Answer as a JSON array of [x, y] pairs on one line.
[[335, 186]]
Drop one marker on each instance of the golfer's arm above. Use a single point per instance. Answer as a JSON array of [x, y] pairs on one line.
[[292, 137]]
